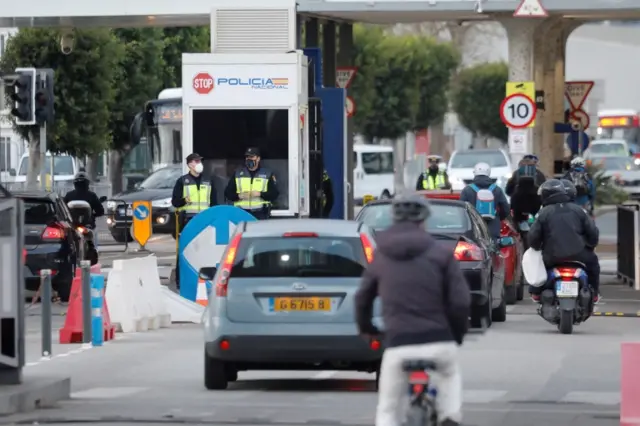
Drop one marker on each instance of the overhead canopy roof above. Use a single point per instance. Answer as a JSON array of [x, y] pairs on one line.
[[127, 13]]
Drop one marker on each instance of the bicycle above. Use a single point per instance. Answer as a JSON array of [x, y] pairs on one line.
[[422, 394]]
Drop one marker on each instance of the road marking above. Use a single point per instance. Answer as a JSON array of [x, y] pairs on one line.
[[596, 398], [107, 393]]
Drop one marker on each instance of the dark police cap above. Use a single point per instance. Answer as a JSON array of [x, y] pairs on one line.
[[252, 152], [193, 156]]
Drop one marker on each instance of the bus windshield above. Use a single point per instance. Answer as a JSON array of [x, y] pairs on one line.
[[166, 136]]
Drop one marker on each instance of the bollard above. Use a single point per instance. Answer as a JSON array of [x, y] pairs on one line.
[[45, 287], [97, 326], [85, 267]]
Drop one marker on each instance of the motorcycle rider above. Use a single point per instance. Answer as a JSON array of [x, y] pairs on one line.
[[572, 193], [564, 233], [582, 180], [500, 208], [81, 192], [429, 324], [523, 186]]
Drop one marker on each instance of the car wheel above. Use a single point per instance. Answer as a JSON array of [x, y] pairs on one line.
[[122, 236], [499, 314], [232, 374], [481, 314], [511, 293], [215, 376]]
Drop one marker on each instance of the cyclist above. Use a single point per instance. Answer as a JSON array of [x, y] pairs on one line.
[[582, 180], [425, 308]]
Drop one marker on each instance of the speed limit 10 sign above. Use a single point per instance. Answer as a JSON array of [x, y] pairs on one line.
[[518, 111]]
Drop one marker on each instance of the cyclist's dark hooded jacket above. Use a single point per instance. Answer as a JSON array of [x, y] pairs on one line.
[[423, 293]]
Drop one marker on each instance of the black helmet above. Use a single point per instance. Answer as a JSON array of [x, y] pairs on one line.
[[570, 188], [81, 177], [550, 188], [410, 208]]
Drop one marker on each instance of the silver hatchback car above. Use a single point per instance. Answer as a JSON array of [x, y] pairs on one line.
[[282, 298]]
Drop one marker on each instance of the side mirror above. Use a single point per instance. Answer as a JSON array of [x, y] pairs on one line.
[[102, 199], [12, 172], [207, 273], [506, 242]]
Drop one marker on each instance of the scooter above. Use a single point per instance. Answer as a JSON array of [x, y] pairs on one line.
[[82, 216], [567, 299]]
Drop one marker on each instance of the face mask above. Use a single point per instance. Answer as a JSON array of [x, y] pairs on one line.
[[250, 163], [198, 168], [433, 167]]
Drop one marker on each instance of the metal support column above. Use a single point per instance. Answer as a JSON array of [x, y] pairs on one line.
[[345, 59], [311, 33], [329, 54]]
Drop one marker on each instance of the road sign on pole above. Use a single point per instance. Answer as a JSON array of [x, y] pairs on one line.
[[344, 76], [518, 111], [530, 9], [527, 88], [142, 227], [582, 117], [576, 92], [350, 106], [203, 83]]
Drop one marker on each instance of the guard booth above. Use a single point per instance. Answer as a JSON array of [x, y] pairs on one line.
[[11, 289]]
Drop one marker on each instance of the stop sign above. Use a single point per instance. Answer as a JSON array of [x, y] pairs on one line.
[[203, 83]]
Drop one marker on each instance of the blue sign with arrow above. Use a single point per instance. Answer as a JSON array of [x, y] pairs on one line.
[[203, 241], [141, 212]]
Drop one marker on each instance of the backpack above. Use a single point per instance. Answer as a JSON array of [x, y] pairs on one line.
[[581, 181], [485, 201]]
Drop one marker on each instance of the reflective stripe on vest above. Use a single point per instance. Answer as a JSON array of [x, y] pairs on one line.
[[429, 182], [198, 198], [245, 184]]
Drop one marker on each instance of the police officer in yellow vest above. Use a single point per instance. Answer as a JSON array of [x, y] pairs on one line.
[[191, 194], [435, 177], [253, 188]]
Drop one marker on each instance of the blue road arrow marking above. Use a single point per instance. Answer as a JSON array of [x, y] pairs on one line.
[[141, 212]]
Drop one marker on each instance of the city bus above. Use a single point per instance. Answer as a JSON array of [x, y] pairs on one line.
[[619, 124]]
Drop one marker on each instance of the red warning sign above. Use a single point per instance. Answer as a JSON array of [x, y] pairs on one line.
[[203, 83]]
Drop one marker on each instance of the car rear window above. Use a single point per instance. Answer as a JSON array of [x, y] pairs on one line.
[[299, 257], [38, 212], [444, 218]]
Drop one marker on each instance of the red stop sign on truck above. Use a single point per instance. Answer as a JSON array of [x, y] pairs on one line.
[[203, 83]]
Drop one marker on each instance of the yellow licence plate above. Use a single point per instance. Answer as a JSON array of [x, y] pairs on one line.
[[302, 304]]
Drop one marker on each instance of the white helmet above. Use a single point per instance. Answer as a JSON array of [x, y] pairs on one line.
[[442, 167], [578, 162], [482, 169]]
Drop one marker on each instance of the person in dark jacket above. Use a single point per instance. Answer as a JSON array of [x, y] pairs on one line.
[[564, 232], [253, 188], [81, 192], [327, 194], [425, 309], [481, 180], [523, 186]]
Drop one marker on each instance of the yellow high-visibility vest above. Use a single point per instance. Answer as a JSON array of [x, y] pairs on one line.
[[198, 197], [245, 183], [431, 183]]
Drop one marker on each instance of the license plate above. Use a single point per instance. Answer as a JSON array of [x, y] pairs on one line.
[[319, 304], [566, 288], [129, 212]]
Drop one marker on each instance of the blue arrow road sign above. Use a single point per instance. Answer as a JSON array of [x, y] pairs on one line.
[[141, 212], [203, 241]]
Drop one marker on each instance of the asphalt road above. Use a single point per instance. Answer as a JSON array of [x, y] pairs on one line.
[[519, 373]]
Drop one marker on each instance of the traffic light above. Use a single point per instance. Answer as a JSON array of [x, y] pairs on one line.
[[44, 97], [24, 88]]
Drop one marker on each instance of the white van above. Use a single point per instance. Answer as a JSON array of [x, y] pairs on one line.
[[65, 167], [373, 171]]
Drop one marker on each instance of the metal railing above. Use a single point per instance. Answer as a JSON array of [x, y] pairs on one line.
[[628, 269]]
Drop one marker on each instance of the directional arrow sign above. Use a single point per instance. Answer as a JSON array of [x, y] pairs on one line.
[[142, 226]]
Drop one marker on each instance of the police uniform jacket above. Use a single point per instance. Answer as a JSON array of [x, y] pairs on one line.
[[261, 180]]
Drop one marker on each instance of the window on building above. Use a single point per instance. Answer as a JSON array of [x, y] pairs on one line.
[[5, 154]]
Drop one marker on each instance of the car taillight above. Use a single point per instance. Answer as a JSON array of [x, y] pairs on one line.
[[419, 377], [566, 274], [466, 252], [225, 267], [300, 235], [367, 247], [53, 233], [24, 256]]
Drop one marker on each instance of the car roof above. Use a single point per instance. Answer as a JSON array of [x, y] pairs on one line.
[[438, 201], [323, 227], [34, 194], [607, 141]]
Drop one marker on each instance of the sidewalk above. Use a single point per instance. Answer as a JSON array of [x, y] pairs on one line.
[[618, 299]]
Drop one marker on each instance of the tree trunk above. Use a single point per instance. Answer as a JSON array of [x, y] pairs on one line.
[[34, 163], [92, 167], [116, 163], [400, 159]]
